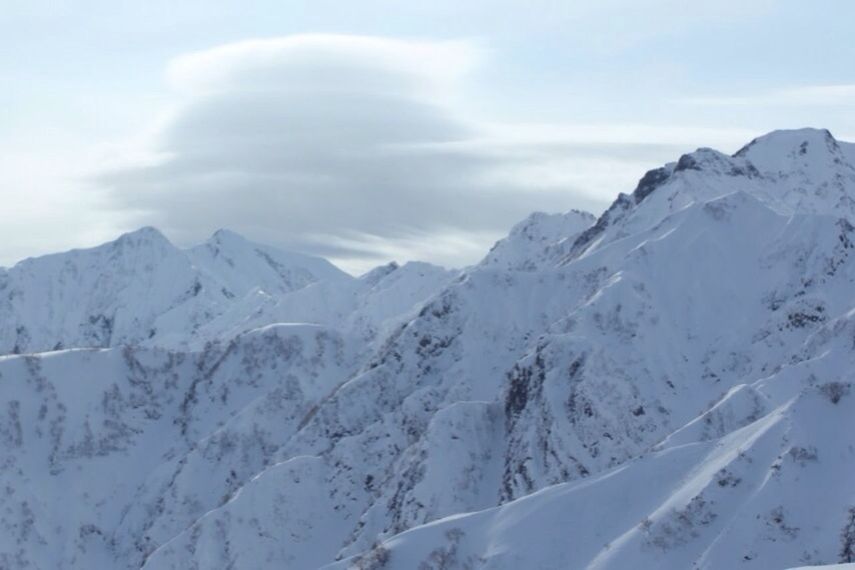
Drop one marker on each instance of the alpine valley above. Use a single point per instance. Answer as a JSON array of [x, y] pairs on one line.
[[667, 386]]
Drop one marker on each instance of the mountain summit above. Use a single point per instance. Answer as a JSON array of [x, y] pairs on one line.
[[793, 171], [666, 386]]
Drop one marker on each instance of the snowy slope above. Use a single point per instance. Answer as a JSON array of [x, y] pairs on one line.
[[367, 307], [87, 433], [770, 492], [667, 386]]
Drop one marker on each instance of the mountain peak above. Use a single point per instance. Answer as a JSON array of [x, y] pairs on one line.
[[784, 139], [812, 151], [707, 160], [373, 276], [143, 235], [777, 168], [224, 235], [242, 265], [543, 223], [537, 239]]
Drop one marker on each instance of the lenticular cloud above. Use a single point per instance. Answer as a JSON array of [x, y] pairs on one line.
[[329, 144]]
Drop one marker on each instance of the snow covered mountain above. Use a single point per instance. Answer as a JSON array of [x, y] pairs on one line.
[[666, 386], [141, 289]]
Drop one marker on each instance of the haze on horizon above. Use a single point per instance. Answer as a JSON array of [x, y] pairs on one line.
[[385, 130]]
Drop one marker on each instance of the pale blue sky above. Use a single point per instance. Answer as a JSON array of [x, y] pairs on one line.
[[563, 104]]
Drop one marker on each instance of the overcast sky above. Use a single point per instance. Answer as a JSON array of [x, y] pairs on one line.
[[384, 129]]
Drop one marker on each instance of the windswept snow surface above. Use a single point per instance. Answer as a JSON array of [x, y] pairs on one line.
[[667, 386]]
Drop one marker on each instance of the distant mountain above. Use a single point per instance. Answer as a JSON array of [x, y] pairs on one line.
[[141, 289], [243, 266], [666, 386]]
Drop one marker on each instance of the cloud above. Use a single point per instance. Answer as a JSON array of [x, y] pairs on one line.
[[352, 147], [326, 62], [802, 96]]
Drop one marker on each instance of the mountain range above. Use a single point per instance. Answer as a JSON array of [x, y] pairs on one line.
[[667, 385]]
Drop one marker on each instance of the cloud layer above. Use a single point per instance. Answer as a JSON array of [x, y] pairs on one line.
[[351, 147]]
